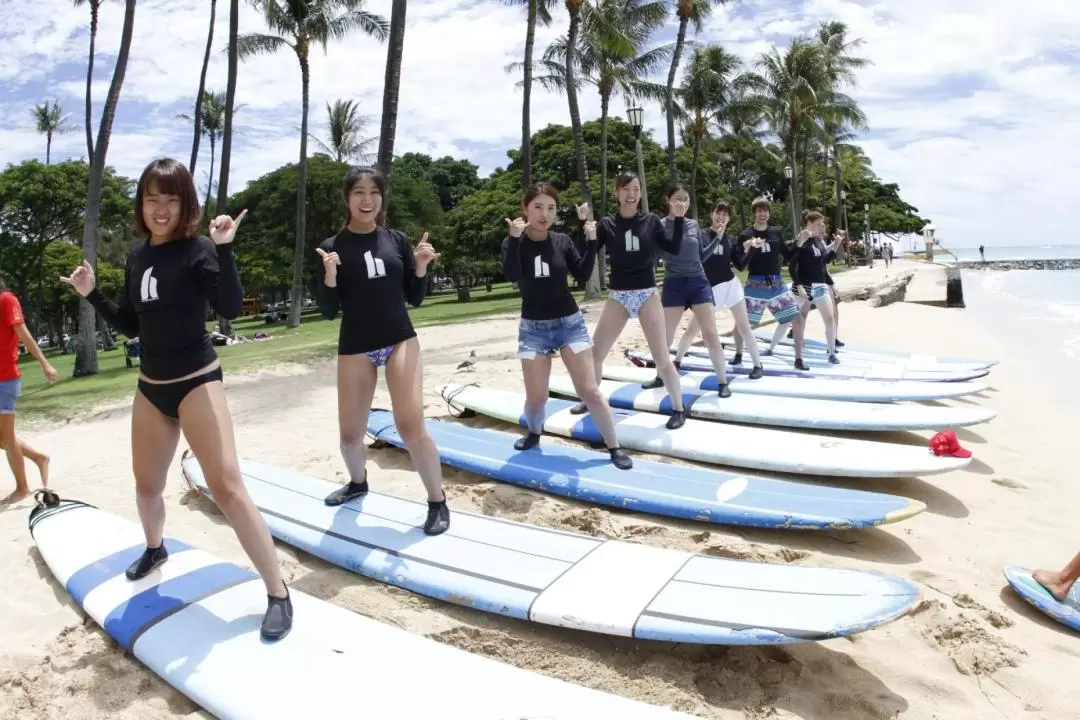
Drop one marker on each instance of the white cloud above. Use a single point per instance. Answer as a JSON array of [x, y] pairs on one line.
[[959, 154]]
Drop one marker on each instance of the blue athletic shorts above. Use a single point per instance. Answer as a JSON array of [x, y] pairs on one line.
[[686, 292]]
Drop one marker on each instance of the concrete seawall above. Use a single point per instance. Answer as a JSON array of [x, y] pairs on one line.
[[1059, 264]]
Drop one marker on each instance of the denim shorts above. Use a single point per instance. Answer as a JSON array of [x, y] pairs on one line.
[[686, 292], [548, 337], [9, 395]]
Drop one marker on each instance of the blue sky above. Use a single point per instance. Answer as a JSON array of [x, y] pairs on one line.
[[972, 104]]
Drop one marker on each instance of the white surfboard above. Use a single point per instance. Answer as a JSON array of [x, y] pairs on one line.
[[194, 622], [791, 412], [817, 355], [872, 391], [720, 444], [878, 354], [881, 371], [567, 579]]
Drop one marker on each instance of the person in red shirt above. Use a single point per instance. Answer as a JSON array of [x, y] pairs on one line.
[[12, 332]]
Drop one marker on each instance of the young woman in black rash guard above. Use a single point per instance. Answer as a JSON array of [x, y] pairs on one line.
[[168, 280], [539, 260], [369, 272], [809, 277], [726, 289], [632, 239]]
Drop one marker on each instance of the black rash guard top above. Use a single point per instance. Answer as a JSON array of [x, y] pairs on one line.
[[166, 289], [765, 260], [720, 261], [808, 263], [376, 277], [632, 245], [540, 267]]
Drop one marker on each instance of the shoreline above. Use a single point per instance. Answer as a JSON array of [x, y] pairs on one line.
[[971, 649]]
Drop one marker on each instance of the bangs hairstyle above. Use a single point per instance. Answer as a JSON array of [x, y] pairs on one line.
[[538, 189], [168, 177], [625, 178], [349, 182], [760, 202], [722, 206], [811, 216], [676, 187]]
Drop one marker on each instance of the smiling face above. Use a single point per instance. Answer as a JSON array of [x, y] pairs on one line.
[[678, 196], [161, 212], [761, 215], [364, 201], [720, 218], [540, 212], [816, 228], [629, 195]]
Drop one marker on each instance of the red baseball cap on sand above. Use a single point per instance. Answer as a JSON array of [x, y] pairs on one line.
[[945, 443]]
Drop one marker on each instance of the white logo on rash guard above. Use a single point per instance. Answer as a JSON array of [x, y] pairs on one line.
[[633, 242], [540, 268], [148, 285], [375, 267]]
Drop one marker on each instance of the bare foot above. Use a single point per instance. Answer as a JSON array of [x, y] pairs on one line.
[[1053, 584], [43, 470], [15, 496]]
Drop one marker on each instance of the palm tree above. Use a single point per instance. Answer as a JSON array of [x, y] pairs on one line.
[[200, 99], [688, 11], [537, 11], [50, 123], [743, 123], [94, 6], [573, 7], [227, 130], [297, 25], [86, 347], [790, 88], [212, 111], [345, 129], [391, 86], [708, 89]]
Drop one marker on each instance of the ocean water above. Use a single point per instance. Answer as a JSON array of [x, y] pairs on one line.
[[1038, 310], [1026, 252]]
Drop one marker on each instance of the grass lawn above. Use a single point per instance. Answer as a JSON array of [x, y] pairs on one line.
[[314, 339]]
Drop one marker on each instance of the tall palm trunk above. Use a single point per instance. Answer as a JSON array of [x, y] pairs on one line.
[[592, 288], [605, 108], [89, 82], [693, 173], [297, 294], [48, 147], [739, 190], [86, 349], [226, 136], [669, 100], [526, 100], [198, 101], [210, 181], [391, 85]]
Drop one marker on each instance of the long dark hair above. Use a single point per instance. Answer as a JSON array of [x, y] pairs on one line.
[[381, 184]]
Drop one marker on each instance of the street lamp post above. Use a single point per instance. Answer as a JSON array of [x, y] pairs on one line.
[[636, 116], [866, 235], [788, 172]]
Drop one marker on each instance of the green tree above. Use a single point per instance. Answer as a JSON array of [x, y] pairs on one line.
[[298, 25], [453, 179], [200, 104], [213, 127], [95, 6], [345, 132], [391, 89], [537, 12]]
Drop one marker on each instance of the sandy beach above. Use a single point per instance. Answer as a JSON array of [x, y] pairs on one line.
[[972, 649]]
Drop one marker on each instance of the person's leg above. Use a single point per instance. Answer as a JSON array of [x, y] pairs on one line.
[[671, 316], [836, 315], [154, 436], [743, 332], [611, 323], [651, 317], [688, 337], [207, 427], [356, 379], [14, 451], [405, 380], [1058, 584], [777, 335], [798, 327], [705, 314], [823, 300], [579, 365], [536, 372]]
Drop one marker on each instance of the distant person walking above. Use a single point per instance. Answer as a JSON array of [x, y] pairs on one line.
[[12, 332], [982, 253], [886, 254]]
